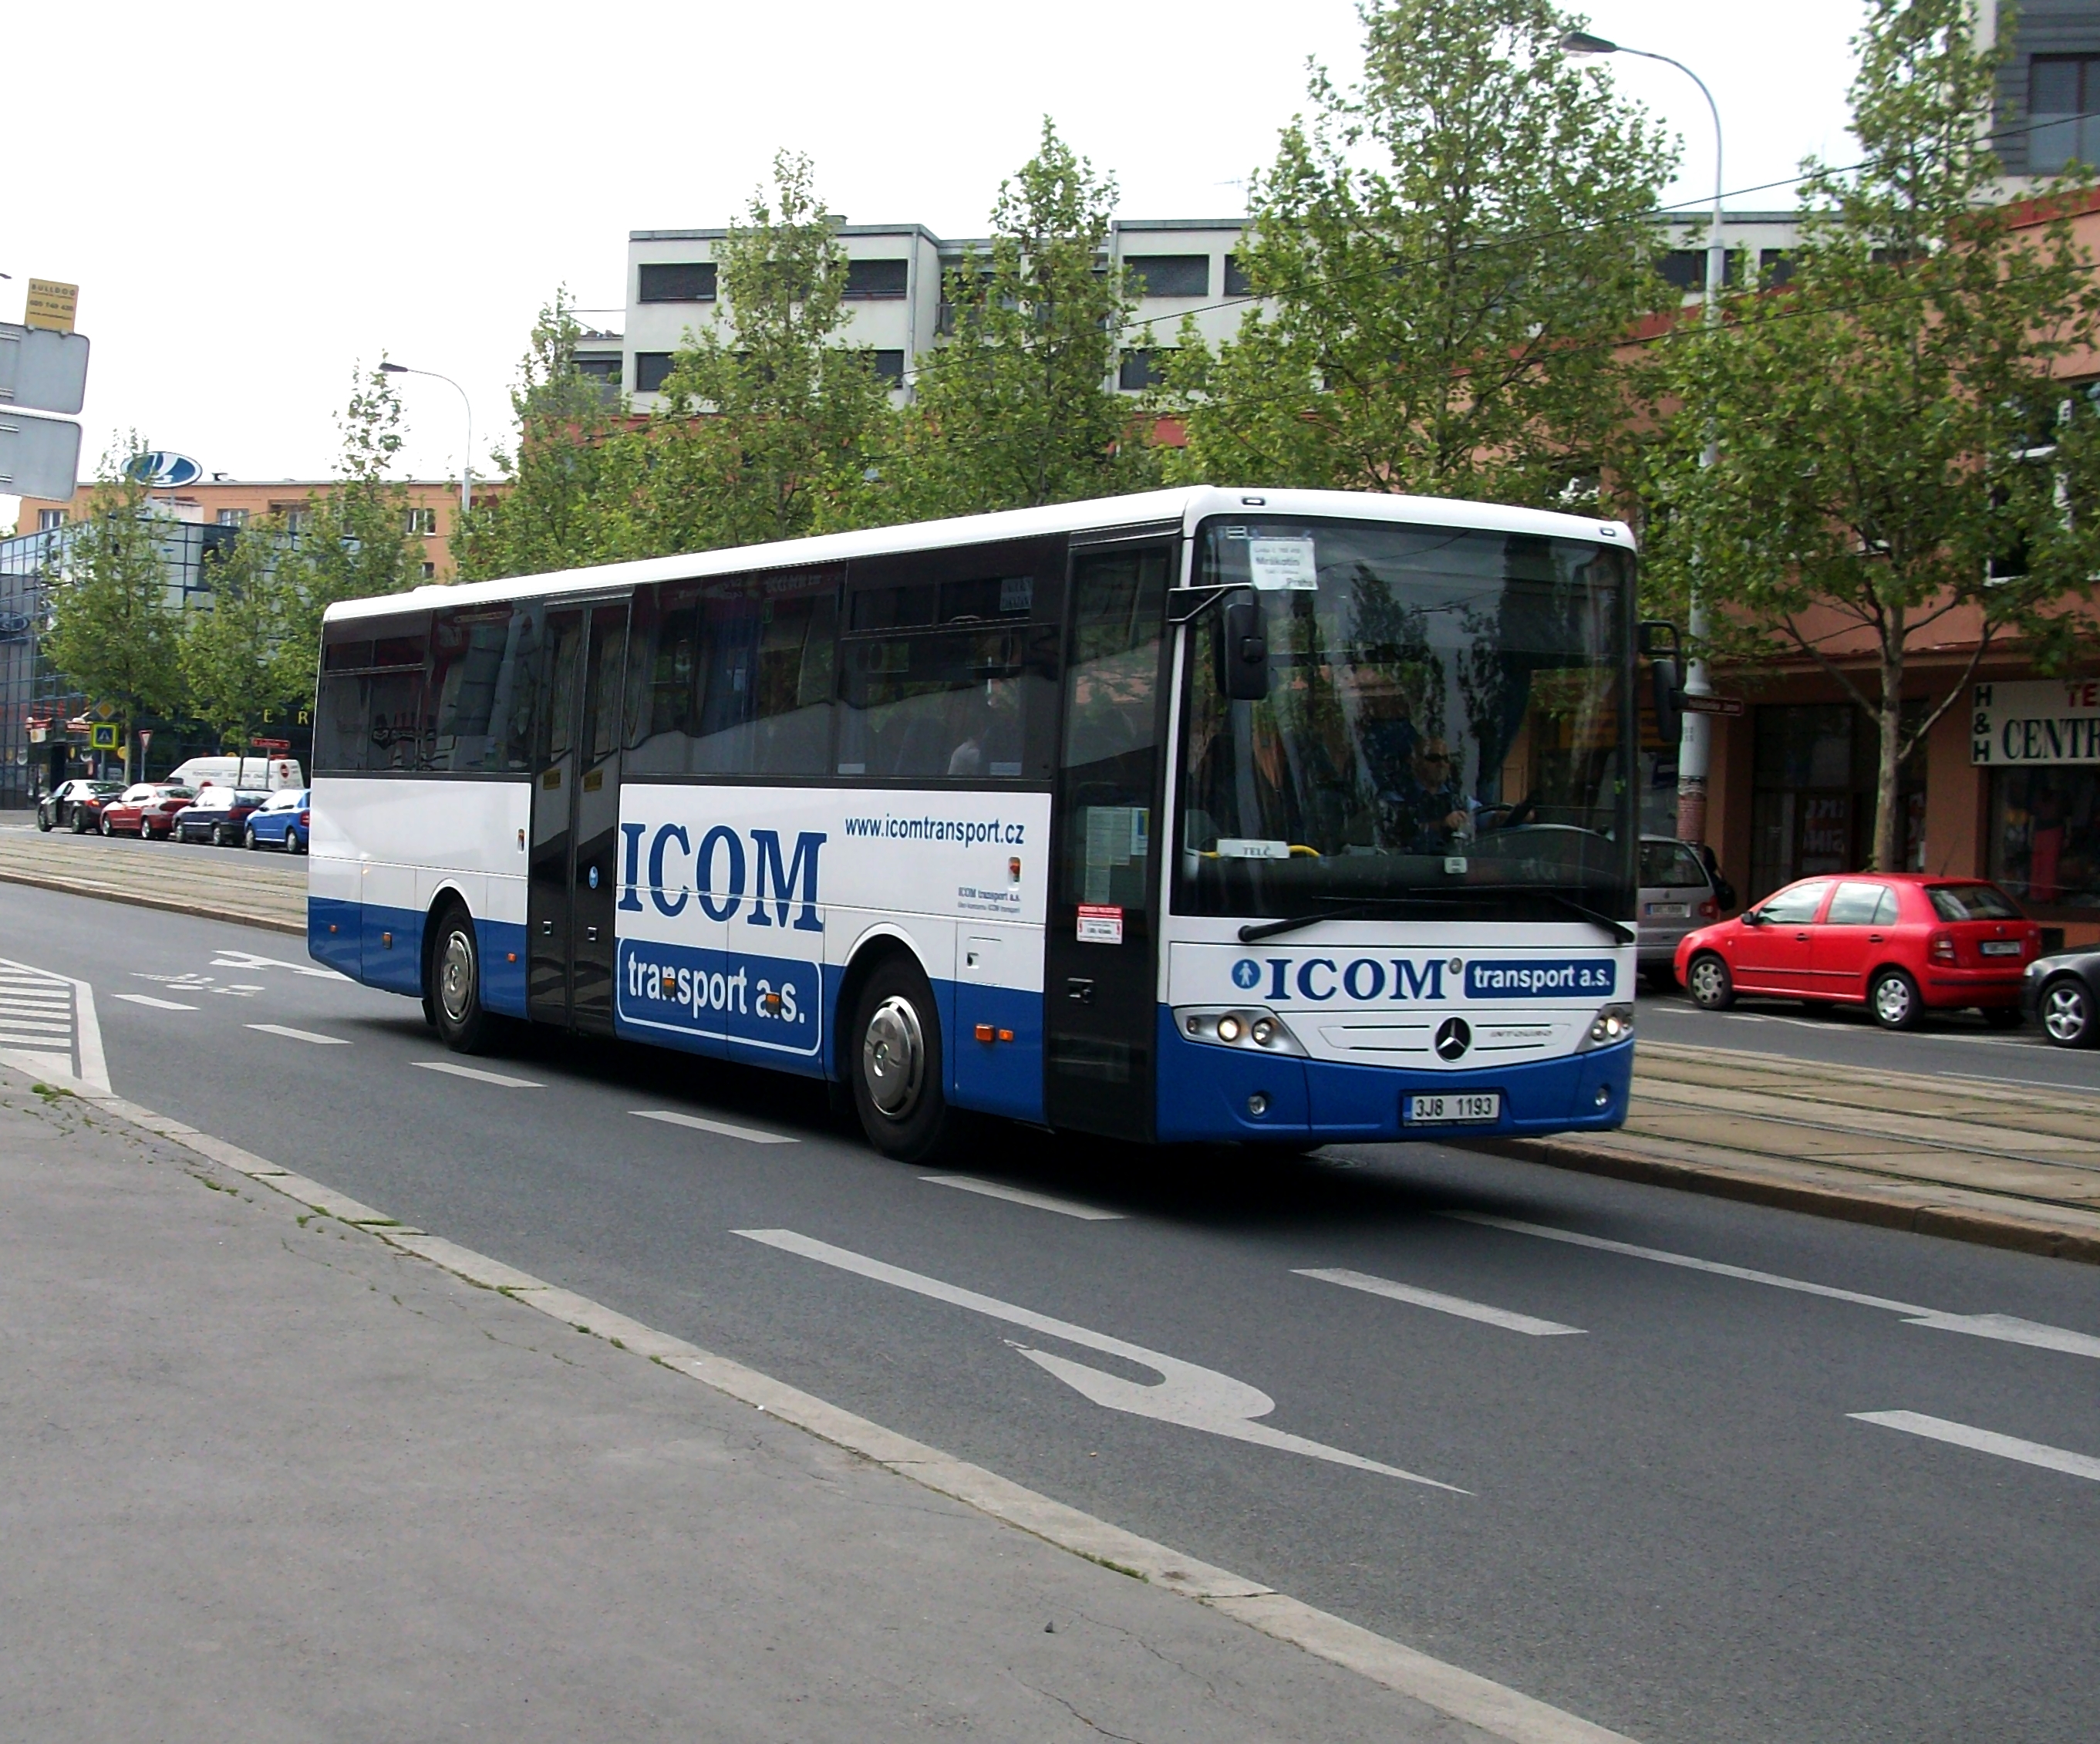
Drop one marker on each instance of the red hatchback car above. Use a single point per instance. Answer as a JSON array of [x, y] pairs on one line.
[[1899, 943], [146, 809]]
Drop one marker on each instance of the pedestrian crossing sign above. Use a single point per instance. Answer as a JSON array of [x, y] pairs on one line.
[[102, 737]]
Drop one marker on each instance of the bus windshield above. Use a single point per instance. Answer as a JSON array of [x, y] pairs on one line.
[[1444, 733]]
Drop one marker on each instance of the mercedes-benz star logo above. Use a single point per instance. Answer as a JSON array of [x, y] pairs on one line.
[[1454, 1036]]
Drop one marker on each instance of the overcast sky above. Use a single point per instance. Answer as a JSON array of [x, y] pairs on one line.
[[254, 198]]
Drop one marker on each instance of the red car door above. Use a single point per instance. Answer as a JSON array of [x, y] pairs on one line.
[[1850, 938], [1773, 953]]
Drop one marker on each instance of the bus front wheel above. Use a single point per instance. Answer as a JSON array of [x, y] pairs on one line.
[[455, 1003], [895, 1065]]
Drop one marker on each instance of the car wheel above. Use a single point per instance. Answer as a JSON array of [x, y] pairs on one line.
[[107, 829], [293, 844], [43, 820], [2066, 1012], [248, 837], [1893, 999], [78, 823], [1712, 988], [895, 1063], [455, 1006], [2003, 1017]]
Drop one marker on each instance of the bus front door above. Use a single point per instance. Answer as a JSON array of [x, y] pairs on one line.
[[1101, 960], [575, 819]]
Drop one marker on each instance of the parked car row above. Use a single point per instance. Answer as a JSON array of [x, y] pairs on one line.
[[172, 811]]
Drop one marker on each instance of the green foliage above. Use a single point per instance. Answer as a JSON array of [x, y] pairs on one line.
[[234, 676], [1454, 250], [1015, 409], [112, 633], [1894, 461], [763, 433]]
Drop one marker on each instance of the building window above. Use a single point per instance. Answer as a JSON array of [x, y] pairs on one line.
[[293, 515], [1686, 268], [605, 369], [652, 369], [232, 517], [1238, 284], [2045, 845], [1169, 275], [423, 521], [430, 572], [2062, 91], [50, 520], [869, 279], [1142, 369], [678, 281], [889, 367], [1812, 793], [1775, 267]]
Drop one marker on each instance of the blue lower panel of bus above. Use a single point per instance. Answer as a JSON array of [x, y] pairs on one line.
[[393, 948], [1204, 1092], [502, 944], [335, 934], [383, 948]]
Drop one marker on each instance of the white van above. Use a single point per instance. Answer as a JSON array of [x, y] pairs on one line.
[[269, 773]]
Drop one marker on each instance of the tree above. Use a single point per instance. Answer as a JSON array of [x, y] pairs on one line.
[[351, 543], [1894, 457], [235, 674], [579, 478], [766, 423], [113, 633], [1016, 408], [1449, 252]]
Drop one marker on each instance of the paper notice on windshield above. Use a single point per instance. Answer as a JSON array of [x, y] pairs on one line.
[[1281, 564], [1100, 924]]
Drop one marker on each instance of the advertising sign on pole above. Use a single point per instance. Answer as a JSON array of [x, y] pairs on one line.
[[52, 306], [39, 457]]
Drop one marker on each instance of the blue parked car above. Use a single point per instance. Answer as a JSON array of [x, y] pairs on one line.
[[281, 821]]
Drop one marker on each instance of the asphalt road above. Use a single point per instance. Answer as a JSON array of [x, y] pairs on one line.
[[1665, 1515]]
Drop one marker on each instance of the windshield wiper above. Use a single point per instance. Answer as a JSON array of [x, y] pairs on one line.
[[1621, 933]]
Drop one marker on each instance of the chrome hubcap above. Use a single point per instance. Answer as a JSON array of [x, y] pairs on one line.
[[893, 1057], [1892, 1001], [455, 976], [2063, 1013]]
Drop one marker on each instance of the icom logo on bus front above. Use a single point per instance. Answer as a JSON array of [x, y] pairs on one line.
[[1407, 980]]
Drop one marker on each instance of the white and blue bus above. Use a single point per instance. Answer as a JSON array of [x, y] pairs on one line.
[[1286, 817]]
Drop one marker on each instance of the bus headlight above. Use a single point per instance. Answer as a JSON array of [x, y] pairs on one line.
[[1252, 1028], [1611, 1025]]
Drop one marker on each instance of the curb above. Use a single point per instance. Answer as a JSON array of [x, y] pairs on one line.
[[1464, 1696], [171, 904], [1889, 1205]]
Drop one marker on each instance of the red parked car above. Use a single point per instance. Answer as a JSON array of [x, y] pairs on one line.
[[1899, 943], [146, 809]]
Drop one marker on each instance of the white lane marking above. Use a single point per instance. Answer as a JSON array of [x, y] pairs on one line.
[[293, 1035], [2008, 1329], [1506, 1318], [158, 1004], [994, 1190], [478, 1074], [229, 959], [1985, 1441], [727, 1129], [1193, 1396]]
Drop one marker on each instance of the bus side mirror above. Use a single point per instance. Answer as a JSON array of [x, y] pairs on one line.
[[1243, 648], [1660, 643]]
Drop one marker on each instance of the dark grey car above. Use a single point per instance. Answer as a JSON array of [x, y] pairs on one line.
[[2063, 990], [1679, 891]]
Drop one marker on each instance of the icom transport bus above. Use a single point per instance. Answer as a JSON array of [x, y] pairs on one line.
[[1284, 817]]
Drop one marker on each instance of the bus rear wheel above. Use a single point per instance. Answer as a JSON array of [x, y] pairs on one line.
[[895, 1065], [463, 1024]]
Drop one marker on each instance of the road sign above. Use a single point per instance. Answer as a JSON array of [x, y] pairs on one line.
[[42, 371], [1730, 706], [162, 470], [270, 745], [52, 306], [102, 737], [39, 457]]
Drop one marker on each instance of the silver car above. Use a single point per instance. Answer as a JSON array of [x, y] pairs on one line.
[[1680, 890]]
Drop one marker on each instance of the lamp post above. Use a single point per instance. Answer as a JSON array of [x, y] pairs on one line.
[[466, 463], [1694, 742]]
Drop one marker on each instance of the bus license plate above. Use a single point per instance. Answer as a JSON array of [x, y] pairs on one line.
[[1476, 1107]]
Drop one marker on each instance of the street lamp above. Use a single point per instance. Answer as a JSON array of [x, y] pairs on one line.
[[466, 464], [1695, 736]]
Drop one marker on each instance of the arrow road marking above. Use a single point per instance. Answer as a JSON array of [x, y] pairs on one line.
[[2007, 1328], [1193, 1396], [996, 1189], [1506, 1318], [249, 959], [1985, 1441]]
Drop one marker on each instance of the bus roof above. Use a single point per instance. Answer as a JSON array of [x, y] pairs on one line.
[[1186, 506]]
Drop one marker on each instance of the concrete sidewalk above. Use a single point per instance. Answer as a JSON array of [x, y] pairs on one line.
[[269, 1478]]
